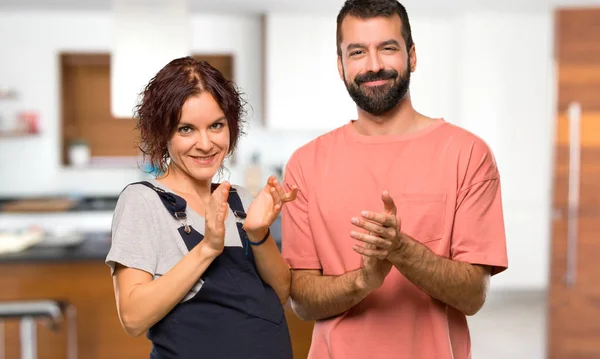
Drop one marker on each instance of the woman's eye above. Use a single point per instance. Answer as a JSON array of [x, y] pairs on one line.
[[184, 129], [217, 126]]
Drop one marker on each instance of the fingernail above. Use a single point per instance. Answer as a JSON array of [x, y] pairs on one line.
[[364, 213], [354, 220]]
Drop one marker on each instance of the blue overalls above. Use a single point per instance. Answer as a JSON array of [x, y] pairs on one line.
[[234, 315]]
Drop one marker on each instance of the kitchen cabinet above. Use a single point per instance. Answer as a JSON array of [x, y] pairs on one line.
[[79, 276], [574, 294]]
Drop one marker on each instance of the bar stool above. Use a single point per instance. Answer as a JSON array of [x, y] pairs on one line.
[[28, 312]]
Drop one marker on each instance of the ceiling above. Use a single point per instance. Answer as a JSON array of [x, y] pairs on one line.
[[310, 6]]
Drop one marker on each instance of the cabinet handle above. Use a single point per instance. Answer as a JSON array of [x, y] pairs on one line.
[[574, 117]]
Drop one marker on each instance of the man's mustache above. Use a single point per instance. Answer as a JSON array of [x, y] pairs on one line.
[[375, 76]]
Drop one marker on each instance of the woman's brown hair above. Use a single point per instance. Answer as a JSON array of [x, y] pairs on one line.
[[159, 110]]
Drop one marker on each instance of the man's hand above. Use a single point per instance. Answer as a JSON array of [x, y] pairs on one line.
[[383, 230], [458, 284], [382, 237], [373, 271]]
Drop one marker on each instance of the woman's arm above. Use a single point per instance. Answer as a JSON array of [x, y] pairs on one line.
[[271, 266], [142, 302], [261, 214]]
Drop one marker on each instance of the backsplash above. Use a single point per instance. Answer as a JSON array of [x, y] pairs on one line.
[[272, 147]]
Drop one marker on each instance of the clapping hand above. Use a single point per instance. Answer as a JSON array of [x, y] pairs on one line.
[[382, 237], [216, 213], [267, 205], [383, 230]]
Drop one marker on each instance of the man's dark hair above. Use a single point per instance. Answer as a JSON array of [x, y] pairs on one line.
[[368, 9]]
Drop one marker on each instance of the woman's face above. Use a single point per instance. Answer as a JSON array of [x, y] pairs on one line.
[[201, 140]]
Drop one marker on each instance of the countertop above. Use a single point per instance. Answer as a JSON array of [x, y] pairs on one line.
[[79, 204], [94, 247]]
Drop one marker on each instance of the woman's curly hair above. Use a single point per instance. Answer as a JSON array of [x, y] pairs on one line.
[[159, 109]]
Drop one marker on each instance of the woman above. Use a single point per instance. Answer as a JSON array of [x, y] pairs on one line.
[[193, 263]]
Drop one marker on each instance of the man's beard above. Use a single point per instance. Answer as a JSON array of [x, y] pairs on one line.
[[378, 100]]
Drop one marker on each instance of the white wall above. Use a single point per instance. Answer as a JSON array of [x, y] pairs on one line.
[[30, 44], [304, 89], [512, 85], [493, 74], [508, 84]]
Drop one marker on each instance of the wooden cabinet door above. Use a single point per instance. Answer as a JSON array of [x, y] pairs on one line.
[[574, 293]]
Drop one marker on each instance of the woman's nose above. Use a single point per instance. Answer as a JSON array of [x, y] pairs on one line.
[[203, 142]]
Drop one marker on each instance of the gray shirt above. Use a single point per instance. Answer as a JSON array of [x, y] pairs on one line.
[[145, 236]]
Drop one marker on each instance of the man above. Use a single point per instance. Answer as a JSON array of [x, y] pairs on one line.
[[398, 224]]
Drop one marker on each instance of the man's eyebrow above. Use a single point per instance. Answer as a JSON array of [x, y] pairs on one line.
[[382, 44], [355, 46], [389, 42]]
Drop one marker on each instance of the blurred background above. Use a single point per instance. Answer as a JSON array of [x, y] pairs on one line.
[[523, 75]]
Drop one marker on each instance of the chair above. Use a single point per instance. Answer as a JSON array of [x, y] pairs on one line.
[[28, 312]]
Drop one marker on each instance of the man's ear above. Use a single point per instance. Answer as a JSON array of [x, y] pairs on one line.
[[340, 68], [413, 58]]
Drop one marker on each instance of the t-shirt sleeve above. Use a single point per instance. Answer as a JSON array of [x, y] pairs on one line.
[[134, 242], [298, 246], [479, 234]]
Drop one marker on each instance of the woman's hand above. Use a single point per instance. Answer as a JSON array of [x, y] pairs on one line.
[[266, 206], [215, 214]]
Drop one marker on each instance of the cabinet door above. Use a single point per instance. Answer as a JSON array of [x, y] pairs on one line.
[[574, 310]]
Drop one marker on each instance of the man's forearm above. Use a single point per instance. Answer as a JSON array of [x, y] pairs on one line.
[[458, 284], [316, 297]]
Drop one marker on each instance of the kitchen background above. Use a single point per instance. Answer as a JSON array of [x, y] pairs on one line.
[[488, 66]]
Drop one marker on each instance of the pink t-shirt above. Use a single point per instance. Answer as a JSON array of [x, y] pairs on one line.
[[445, 183]]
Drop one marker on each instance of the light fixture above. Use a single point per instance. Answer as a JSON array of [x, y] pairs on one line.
[[148, 34]]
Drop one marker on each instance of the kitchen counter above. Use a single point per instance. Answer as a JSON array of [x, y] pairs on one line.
[[94, 247], [78, 275], [58, 204]]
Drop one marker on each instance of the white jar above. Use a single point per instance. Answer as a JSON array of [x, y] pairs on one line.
[[79, 155]]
